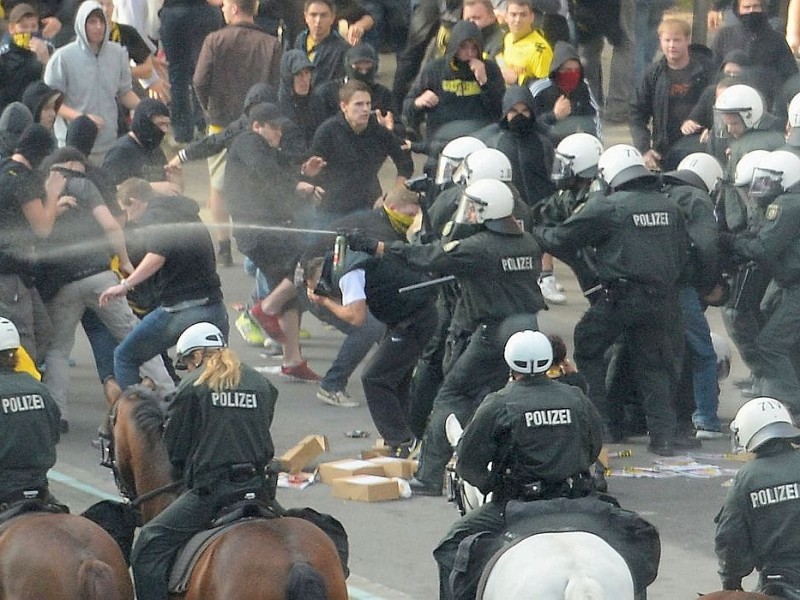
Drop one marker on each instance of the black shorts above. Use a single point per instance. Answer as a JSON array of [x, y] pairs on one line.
[[274, 254]]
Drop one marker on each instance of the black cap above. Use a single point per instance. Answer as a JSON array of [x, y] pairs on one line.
[[267, 112]]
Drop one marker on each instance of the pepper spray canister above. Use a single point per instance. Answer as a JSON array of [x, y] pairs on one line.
[[339, 253]]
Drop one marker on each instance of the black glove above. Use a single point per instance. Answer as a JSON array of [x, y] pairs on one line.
[[361, 242], [725, 242]]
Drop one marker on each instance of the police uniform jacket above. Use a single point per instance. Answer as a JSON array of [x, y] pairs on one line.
[[497, 273], [640, 236], [534, 429], [759, 524], [28, 433], [777, 244], [208, 431]]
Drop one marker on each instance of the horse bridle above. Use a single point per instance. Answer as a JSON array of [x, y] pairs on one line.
[[109, 460]]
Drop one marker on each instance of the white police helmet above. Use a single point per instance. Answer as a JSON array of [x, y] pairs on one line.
[[528, 352], [620, 164], [723, 351], [576, 156], [746, 165], [9, 336], [453, 153], [705, 166], [198, 336], [489, 202], [776, 173], [484, 163], [760, 420], [742, 100], [793, 122]]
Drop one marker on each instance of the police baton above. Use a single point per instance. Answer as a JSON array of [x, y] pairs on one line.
[[425, 284]]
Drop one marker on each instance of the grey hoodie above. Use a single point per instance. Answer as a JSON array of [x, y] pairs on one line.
[[15, 118], [90, 82]]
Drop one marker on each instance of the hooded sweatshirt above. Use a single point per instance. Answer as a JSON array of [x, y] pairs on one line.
[[37, 95], [141, 156], [15, 118], [294, 107], [461, 97], [527, 148], [90, 82], [547, 91]]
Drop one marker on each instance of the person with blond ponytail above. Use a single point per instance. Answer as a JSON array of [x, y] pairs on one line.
[[218, 440]]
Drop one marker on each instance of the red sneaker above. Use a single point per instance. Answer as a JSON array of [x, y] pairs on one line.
[[301, 372], [269, 323]]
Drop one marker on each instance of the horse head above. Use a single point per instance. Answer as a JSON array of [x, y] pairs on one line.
[[141, 463], [465, 495]]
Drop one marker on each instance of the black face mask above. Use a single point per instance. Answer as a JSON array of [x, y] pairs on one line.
[[148, 133], [521, 124], [753, 21]]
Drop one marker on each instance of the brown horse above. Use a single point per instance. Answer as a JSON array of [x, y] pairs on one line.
[[257, 560], [50, 556]]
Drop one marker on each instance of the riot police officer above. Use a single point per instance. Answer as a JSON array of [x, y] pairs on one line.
[[758, 527], [29, 419], [540, 437], [217, 436], [496, 265], [641, 245], [776, 185]]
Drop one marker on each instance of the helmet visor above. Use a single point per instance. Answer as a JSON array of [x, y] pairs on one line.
[[766, 185], [470, 210], [446, 168], [728, 124], [562, 171]]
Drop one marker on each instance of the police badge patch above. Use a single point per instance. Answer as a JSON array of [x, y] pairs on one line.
[[773, 210], [450, 246]]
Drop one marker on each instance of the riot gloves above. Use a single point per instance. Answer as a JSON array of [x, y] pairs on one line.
[[359, 241]]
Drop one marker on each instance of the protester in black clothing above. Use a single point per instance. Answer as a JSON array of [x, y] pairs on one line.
[[354, 145], [43, 101], [138, 153], [23, 57], [295, 96], [13, 121], [262, 190], [766, 47], [459, 86], [322, 42]]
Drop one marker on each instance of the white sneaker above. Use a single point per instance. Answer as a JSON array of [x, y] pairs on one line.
[[337, 398], [550, 291]]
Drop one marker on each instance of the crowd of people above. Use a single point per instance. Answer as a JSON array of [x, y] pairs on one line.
[[436, 275]]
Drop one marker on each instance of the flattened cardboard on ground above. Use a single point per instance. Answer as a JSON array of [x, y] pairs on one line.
[[300, 455], [347, 468], [396, 467], [366, 488]]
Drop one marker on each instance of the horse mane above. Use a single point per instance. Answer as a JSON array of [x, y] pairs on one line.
[[148, 413]]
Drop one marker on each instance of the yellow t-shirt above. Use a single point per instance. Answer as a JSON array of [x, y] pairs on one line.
[[532, 54]]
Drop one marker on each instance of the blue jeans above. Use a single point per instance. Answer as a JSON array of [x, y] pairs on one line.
[[183, 29], [357, 344], [102, 342], [159, 331], [703, 359]]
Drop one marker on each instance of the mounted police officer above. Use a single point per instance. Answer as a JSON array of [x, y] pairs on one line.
[[776, 246], [641, 247], [29, 432], [539, 436], [217, 436], [758, 527], [496, 265]]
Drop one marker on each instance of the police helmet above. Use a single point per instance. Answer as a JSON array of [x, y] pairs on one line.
[[793, 122], [9, 336], [774, 174], [576, 156], [746, 165], [483, 163], [723, 351], [528, 352], [197, 337], [620, 164], [742, 100], [760, 420], [453, 153], [704, 166], [488, 202]]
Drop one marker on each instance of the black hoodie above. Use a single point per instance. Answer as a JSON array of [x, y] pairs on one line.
[[583, 116], [528, 150], [461, 98], [294, 107], [139, 156], [37, 95]]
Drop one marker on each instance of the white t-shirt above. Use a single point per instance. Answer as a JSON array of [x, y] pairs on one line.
[[352, 285]]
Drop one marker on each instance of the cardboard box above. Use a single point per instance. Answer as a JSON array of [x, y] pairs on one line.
[[347, 468], [366, 488], [297, 457], [396, 467], [374, 452]]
